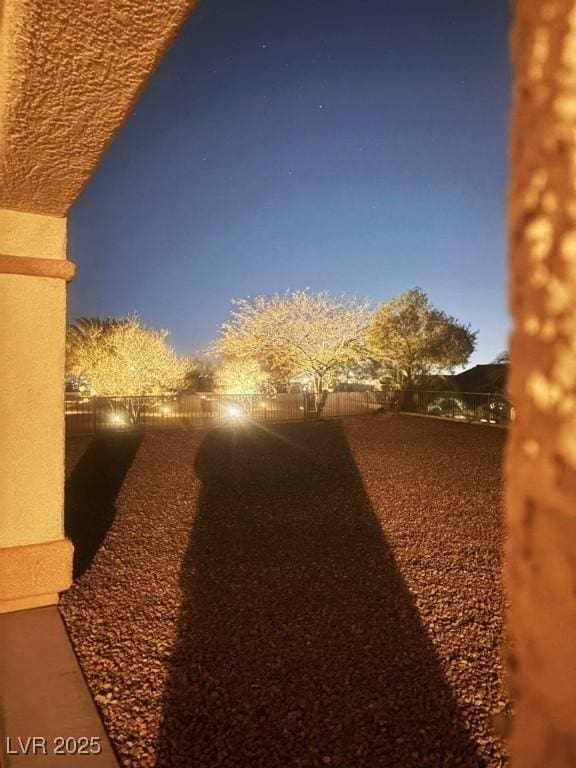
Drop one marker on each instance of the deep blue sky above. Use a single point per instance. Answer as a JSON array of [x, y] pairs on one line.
[[357, 147]]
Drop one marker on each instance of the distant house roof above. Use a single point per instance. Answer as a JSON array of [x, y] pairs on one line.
[[482, 378]]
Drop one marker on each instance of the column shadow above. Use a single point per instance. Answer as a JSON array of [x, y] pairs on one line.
[[90, 494], [298, 641]]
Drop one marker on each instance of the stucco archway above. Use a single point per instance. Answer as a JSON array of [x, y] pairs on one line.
[[69, 73]]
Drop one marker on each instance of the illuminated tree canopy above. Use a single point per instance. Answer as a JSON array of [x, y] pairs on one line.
[[121, 357], [242, 377], [412, 338], [296, 334], [201, 374]]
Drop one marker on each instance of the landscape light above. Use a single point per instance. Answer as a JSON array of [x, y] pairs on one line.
[[117, 418], [165, 409], [234, 412]]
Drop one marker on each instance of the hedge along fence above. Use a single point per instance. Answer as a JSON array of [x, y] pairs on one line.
[[195, 410]]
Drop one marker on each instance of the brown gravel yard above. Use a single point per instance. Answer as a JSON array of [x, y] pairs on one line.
[[310, 594]]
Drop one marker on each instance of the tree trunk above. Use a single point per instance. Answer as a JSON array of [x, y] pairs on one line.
[[540, 562], [405, 399], [320, 397]]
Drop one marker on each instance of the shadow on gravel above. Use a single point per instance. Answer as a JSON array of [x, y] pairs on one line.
[[91, 491], [299, 644]]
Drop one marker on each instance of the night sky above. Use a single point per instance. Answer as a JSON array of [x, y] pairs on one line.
[[357, 147]]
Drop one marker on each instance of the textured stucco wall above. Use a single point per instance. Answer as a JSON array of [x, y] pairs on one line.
[[541, 494], [22, 234], [32, 328], [69, 72]]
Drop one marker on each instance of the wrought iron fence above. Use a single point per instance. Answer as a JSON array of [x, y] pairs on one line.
[[187, 410], [483, 407]]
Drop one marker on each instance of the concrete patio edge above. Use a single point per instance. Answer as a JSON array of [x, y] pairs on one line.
[[48, 718]]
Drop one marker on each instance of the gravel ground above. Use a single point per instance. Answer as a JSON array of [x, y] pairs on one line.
[[306, 595]]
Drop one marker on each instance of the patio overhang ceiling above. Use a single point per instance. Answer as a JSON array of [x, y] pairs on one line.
[[69, 73]]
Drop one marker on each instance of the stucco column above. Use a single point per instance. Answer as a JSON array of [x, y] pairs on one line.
[[69, 73], [540, 568], [35, 558]]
